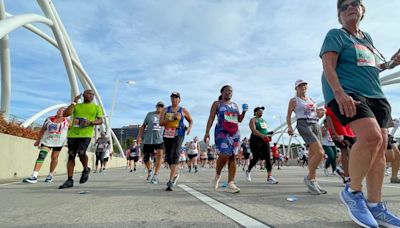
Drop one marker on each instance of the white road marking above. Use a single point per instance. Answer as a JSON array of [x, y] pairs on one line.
[[10, 183], [231, 213]]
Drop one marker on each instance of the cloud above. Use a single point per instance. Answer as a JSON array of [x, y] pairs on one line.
[[195, 47]]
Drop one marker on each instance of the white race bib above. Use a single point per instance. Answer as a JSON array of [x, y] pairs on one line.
[[170, 132]]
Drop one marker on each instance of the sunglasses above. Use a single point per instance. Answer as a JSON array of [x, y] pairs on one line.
[[344, 7]]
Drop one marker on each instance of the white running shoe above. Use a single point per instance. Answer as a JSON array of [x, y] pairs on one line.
[[272, 180], [248, 177], [232, 188], [49, 178], [326, 173]]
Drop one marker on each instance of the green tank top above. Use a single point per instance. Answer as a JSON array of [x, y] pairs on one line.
[[261, 126]]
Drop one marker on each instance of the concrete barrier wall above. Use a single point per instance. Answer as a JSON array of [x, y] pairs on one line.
[[18, 156]]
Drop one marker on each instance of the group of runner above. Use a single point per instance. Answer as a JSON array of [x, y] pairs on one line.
[[358, 118]]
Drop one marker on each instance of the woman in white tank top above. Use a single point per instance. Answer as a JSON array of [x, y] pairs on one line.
[[193, 152], [307, 115]]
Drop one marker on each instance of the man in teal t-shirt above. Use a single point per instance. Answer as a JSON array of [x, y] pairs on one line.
[[84, 116]]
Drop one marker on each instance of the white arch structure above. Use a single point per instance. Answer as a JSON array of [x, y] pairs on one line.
[[62, 42], [390, 79]]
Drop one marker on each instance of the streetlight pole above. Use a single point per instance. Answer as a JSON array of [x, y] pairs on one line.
[[116, 86]]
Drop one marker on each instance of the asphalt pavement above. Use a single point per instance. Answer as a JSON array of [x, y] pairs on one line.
[[119, 198]]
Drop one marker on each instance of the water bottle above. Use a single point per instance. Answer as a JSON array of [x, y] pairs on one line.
[[245, 107]]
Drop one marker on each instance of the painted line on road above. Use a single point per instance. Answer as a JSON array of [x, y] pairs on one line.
[[386, 186], [231, 213], [10, 183]]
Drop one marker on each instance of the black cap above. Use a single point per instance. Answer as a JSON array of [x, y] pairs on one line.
[[258, 108], [175, 94]]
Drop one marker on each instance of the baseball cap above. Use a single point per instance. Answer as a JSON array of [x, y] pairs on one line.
[[259, 108], [299, 82], [160, 103], [175, 94]]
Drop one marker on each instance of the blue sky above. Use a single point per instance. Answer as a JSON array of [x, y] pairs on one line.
[[195, 47]]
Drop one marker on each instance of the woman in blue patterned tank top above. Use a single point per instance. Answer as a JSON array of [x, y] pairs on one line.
[[227, 136]]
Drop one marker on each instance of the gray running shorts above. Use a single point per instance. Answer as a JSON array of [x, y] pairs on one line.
[[310, 132]]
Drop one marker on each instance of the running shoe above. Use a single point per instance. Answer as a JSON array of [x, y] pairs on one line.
[[149, 175], [154, 180], [215, 182], [340, 174], [326, 173], [169, 186], [130, 171], [31, 180], [85, 176], [67, 184], [395, 180], [248, 176], [49, 179], [383, 216], [175, 180], [272, 180], [322, 190], [232, 188], [357, 208], [312, 188]]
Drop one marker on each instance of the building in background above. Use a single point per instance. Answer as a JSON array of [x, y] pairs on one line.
[[126, 134]]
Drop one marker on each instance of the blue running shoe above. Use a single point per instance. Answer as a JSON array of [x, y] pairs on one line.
[[384, 217], [357, 208]]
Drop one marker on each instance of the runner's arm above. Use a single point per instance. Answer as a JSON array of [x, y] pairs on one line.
[[291, 107], [189, 119], [68, 111], [210, 121]]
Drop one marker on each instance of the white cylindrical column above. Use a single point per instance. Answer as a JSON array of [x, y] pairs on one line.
[[5, 70]]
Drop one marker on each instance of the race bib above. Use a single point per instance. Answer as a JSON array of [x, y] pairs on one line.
[[78, 121], [364, 56], [169, 132], [263, 125], [231, 117]]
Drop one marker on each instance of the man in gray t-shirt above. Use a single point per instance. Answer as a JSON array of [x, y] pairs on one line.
[[152, 134]]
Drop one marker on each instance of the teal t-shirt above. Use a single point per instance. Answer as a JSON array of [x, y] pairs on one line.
[[356, 66], [89, 111]]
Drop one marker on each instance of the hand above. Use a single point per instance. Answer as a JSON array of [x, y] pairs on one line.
[[86, 123], [396, 58], [347, 105], [271, 133], [36, 143], [139, 140], [206, 137], [320, 112], [77, 98], [335, 137], [188, 130], [177, 116], [290, 131]]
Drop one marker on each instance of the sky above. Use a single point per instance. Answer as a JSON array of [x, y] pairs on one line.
[[192, 46]]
